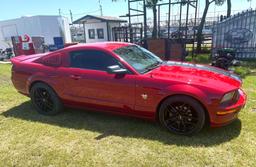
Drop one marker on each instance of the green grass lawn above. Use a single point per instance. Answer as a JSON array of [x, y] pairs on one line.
[[83, 138]]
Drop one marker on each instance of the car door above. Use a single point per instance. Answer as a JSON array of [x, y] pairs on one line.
[[88, 82]]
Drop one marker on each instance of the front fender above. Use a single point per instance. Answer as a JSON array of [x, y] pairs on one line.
[[189, 90]]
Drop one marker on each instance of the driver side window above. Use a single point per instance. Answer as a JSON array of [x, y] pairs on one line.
[[92, 60]]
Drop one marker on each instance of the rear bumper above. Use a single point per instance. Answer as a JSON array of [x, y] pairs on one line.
[[223, 116]]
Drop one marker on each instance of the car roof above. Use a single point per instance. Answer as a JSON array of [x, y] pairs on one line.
[[101, 45]]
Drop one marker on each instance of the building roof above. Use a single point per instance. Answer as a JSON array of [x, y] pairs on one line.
[[34, 16], [101, 18]]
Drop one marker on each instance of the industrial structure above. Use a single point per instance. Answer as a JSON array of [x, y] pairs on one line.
[[171, 45], [47, 27]]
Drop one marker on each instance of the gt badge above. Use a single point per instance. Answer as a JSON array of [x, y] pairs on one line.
[[144, 96]]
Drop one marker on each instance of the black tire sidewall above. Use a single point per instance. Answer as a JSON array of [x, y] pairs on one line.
[[56, 100], [193, 103]]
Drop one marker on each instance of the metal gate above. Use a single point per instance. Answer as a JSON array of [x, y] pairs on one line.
[[238, 32], [131, 34]]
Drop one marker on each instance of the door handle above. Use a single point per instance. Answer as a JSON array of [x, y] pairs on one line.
[[75, 77]]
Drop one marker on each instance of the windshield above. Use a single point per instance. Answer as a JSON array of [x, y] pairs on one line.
[[139, 58]]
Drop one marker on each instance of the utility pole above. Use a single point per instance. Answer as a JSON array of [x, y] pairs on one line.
[[71, 16], [101, 11], [73, 29], [59, 12]]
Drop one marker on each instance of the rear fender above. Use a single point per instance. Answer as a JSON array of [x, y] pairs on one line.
[[40, 77]]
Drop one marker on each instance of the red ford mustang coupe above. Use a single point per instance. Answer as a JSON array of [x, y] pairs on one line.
[[129, 80]]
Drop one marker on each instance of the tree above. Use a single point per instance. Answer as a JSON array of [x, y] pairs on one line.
[[229, 6], [153, 5], [201, 25]]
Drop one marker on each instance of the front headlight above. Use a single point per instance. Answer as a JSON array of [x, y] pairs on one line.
[[228, 97]]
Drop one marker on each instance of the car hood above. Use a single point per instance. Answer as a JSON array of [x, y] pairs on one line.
[[197, 74]]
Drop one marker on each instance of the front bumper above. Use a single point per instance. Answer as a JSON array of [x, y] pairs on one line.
[[222, 116]]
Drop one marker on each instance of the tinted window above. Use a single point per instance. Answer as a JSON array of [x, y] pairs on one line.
[[91, 33], [91, 59], [100, 33]]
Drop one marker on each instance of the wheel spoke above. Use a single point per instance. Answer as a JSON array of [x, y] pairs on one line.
[[192, 118], [171, 120], [50, 106], [172, 108], [183, 125], [43, 100], [182, 105], [40, 93], [178, 123], [180, 117], [37, 94]]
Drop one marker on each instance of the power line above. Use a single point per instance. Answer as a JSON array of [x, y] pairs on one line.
[[77, 14], [85, 13]]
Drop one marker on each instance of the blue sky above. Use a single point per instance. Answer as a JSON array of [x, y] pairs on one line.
[[16, 8]]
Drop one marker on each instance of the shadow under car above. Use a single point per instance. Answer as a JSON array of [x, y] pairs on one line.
[[112, 125]]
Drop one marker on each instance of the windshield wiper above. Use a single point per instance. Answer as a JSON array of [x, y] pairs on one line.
[[153, 66]]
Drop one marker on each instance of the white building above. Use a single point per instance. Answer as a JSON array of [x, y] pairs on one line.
[[37, 26], [98, 28]]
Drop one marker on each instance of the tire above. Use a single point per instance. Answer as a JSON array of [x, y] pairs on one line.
[[182, 115], [45, 100]]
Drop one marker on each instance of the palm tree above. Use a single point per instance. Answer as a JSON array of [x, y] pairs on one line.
[[153, 5], [201, 25], [229, 7]]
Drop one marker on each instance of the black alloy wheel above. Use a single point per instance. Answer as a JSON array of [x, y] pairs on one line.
[[45, 100], [182, 115]]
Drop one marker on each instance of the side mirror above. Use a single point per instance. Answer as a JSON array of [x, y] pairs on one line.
[[116, 69]]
